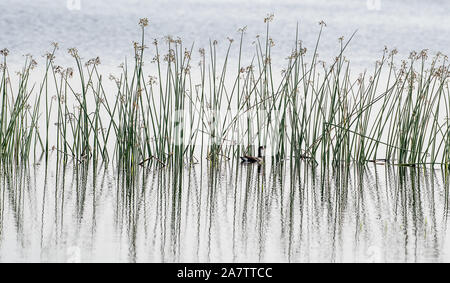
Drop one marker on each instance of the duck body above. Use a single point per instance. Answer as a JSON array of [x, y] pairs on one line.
[[254, 159], [251, 159]]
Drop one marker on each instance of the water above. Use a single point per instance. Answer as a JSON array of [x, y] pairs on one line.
[[107, 28], [240, 213], [234, 212]]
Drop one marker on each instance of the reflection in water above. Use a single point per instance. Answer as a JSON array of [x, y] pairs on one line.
[[234, 212]]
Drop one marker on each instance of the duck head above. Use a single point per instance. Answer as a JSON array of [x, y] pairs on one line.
[[262, 151]]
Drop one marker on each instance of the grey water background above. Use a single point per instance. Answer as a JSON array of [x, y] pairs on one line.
[[231, 213], [234, 212], [108, 28]]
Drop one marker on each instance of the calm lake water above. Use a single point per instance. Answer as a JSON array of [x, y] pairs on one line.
[[233, 212], [107, 28]]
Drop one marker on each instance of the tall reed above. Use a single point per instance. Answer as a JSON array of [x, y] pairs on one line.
[[163, 110]]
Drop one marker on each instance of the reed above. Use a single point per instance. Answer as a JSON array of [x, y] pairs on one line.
[[163, 110]]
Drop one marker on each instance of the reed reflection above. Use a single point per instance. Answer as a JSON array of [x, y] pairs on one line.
[[289, 212]]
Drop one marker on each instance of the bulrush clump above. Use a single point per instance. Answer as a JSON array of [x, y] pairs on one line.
[[326, 112]]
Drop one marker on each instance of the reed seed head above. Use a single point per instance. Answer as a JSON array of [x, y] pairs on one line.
[[143, 22], [73, 52], [4, 52], [242, 29], [269, 18], [93, 62]]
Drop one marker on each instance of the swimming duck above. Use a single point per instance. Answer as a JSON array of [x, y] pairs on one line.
[[253, 159]]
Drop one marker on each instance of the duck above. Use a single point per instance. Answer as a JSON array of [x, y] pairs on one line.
[[255, 159], [379, 161]]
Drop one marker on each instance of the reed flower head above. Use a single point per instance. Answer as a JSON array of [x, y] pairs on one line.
[[170, 57], [170, 39], [443, 72], [93, 62], [155, 59], [303, 51], [440, 55], [293, 55], [152, 80], [139, 47], [322, 24], [187, 69], [58, 70], [73, 52], [33, 64], [69, 72], [4, 52], [393, 52], [50, 56], [187, 54], [412, 55], [114, 79], [143, 22], [424, 54], [242, 29], [269, 18]]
